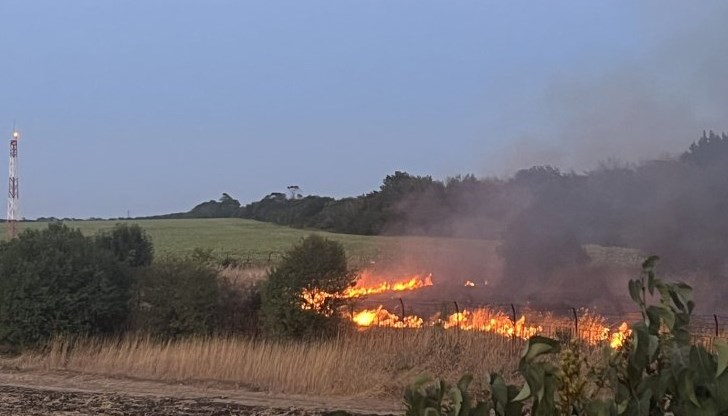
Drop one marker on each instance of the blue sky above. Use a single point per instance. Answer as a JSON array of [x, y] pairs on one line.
[[154, 106]]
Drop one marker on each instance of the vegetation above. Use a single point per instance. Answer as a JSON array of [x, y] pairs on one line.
[[130, 243], [677, 202], [658, 371], [300, 297], [57, 281], [375, 363], [177, 297], [260, 244]]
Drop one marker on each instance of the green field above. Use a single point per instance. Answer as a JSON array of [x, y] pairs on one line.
[[259, 241]]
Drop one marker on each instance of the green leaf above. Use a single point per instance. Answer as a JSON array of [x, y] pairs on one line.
[[650, 262], [687, 386], [598, 408], [721, 349], [537, 346], [456, 396], [431, 411], [635, 291], [524, 394], [651, 282], [465, 381]]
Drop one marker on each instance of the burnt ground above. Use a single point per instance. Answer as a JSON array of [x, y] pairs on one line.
[[62, 393]]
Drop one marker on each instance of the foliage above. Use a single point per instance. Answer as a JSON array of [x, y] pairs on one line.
[[56, 281], [659, 371], [316, 266], [677, 203], [177, 297], [130, 243], [239, 307]]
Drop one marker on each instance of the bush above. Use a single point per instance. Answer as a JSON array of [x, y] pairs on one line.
[[56, 281], [129, 243], [239, 306], [657, 371], [316, 266], [177, 297]]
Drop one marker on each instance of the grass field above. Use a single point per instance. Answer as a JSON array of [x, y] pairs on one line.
[[372, 363], [259, 241]]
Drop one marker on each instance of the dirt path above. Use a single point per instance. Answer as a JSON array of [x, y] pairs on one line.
[[65, 393]]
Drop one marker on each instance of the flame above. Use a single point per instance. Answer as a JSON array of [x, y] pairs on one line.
[[366, 285], [480, 319], [484, 320], [617, 339], [382, 317]]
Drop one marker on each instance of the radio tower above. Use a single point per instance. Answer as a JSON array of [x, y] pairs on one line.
[[13, 189]]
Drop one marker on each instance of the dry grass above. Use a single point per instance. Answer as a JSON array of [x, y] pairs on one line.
[[373, 363]]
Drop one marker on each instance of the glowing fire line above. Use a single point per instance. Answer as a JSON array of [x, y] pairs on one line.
[[480, 319]]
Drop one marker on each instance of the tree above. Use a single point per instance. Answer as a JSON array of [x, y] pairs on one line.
[[56, 281], [130, 244], [300, 298], [177, 297]]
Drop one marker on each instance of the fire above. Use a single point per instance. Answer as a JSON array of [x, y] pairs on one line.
[[593, 329], [618, 338], [365, 286], [384, 318], [484, 320]]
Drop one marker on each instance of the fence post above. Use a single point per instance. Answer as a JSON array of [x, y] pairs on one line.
[[576, 323], [401, 302], [717, 327], [513, 338]]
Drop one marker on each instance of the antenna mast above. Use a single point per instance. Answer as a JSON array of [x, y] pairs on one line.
[[13, 188]]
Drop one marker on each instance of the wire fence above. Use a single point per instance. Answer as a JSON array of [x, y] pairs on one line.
[[518, 321], [553, 321]]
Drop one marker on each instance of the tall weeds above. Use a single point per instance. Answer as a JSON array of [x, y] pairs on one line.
[[375, 362]]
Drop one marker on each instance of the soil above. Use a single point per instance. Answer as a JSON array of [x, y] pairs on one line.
[[66, 393]]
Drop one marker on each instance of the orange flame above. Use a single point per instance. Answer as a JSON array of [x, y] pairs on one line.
[[481, 319], [382, 317], [484, 320], [618, 338], [366, 285]]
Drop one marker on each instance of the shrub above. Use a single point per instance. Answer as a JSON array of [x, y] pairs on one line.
[[239, 306], [177, 297], [56, 281], [129, 243], [316, 266], [658, 371]]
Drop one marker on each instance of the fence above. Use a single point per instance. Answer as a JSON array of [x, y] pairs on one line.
[[519, 321]]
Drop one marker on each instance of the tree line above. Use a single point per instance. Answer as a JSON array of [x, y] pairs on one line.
[[543, 216]]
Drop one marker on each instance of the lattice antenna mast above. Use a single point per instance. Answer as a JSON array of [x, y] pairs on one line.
[[14, 187]]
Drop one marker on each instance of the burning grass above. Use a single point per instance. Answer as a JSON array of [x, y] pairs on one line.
[[378, 362]]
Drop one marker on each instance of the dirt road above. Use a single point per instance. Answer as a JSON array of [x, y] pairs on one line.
[[64, 393]]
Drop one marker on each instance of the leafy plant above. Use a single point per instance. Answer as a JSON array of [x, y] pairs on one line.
[[658, 371]]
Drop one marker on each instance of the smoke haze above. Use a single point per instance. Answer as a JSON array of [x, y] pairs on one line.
[[638, 109]]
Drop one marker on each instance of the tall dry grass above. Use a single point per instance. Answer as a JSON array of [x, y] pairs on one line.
[[373, 363]]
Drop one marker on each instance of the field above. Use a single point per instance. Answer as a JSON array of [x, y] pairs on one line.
[[353, 368], [261, 243]]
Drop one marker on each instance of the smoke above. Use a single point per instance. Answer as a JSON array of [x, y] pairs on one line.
[[640, 108], [623, 127]]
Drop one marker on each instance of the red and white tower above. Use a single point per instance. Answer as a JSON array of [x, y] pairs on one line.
[[14, 187]]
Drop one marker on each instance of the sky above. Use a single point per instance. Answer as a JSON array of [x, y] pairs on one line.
[[151, 107]]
